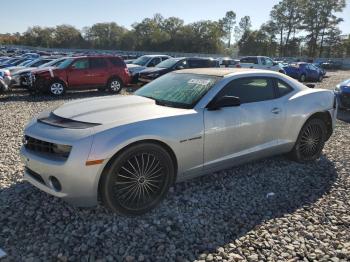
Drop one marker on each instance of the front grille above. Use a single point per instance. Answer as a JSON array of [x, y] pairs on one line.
[[345, 100], [42, 147], [36, 176]]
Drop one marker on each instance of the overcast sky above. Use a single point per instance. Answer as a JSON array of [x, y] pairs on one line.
[[18, 15]]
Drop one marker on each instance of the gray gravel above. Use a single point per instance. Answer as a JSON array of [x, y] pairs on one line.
[[274, 209]]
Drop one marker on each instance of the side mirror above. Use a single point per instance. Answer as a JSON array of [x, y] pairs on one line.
[[224, 101], [310, 85]]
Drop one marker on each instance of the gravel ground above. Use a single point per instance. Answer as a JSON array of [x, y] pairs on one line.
[[274, 209]]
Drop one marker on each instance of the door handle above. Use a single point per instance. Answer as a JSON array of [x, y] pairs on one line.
[[276, 110]]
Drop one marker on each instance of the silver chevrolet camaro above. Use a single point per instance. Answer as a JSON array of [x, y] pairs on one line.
[[128, 150]]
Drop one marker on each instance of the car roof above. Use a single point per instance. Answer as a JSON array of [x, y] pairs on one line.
[[222, 72], [156, 55]]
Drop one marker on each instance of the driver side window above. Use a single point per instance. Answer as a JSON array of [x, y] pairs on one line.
[[251, 89], [81, 64], [154, 62], [269, 62]]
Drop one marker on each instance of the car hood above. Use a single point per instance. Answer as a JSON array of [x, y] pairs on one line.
[[116, 110], [44, 69], [153, 70], [25, 70]]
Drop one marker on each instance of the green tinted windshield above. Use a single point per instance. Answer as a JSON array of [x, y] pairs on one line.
[[168, 63], [178, 89]]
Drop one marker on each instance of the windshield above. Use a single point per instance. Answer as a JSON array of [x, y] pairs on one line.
[[141, 61], [56, 62], [178, 90], [168, 63], [65, 64]]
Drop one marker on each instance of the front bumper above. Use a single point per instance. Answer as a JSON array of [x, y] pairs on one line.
[[79, 183], [343, 100]]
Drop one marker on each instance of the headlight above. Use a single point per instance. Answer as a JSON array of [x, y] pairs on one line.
[[154, 75], [62, 150]]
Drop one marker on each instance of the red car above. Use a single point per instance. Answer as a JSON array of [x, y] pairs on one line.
[[85, 72]]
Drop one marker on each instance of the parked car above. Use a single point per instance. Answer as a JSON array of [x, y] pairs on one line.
[[332, 65], [260, 62], [28, 64], [85, 72], [319, 67], [20, 77], [128, 150], [342, 92], [304, 72], [143, 62], [14, 62], [172, 64], [228, 62], [5, 80]]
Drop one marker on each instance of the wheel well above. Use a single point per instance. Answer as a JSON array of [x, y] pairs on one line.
[[162, 144], [56, 79], [326, 117], [114, 77]]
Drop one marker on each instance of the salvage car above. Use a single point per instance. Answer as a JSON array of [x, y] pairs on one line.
[[143, 62], [342, 92], [128, 150], [83, 72], [21, 78], [260, 62], [304, 72], [172, 64]]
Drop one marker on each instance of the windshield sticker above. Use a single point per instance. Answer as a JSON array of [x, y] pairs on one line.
[[202, 82]]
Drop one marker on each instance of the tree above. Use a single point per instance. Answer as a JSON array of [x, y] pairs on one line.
[[67, 36], [317, 17], [228, 23], [244, 25], [286, 15], [105, 35]]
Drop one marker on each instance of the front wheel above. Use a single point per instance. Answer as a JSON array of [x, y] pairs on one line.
[[57, 88], [137, 180], [310, 142], [320, 78]]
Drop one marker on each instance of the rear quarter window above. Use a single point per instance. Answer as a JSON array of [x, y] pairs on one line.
[[117, 61]]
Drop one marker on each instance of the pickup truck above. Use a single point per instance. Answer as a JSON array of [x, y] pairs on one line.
[[260, 62]]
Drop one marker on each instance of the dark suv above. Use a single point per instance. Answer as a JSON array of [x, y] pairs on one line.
[[172, 64], [86, 72]]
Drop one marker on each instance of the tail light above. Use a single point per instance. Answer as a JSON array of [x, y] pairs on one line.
[[126, 71], [238, 66]]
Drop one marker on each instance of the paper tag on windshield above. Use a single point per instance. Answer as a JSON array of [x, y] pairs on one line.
[[203, 82]]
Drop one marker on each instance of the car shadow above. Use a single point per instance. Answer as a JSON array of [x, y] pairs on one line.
[[344, 115], [196, 217]]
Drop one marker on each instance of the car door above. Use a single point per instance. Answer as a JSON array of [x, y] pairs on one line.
[[314, 72], [253, 128], [154, 61], [78, 73], [98, 71]]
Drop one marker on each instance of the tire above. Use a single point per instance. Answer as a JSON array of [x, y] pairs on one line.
[[115, 85], [310, 142], [303, 78], [320, 78], [137, 180], [56, 88]]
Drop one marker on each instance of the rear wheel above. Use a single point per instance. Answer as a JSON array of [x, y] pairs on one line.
[[57, 88], [137, 180], [303, 78], [320, 78], [310, 141], [115, 85]]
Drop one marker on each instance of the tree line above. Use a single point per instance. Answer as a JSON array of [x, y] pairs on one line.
[[295, 28]]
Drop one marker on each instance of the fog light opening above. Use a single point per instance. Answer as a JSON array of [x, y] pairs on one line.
[[55, 184]]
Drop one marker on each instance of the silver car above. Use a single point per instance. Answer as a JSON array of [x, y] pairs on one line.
[[128, 150]]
